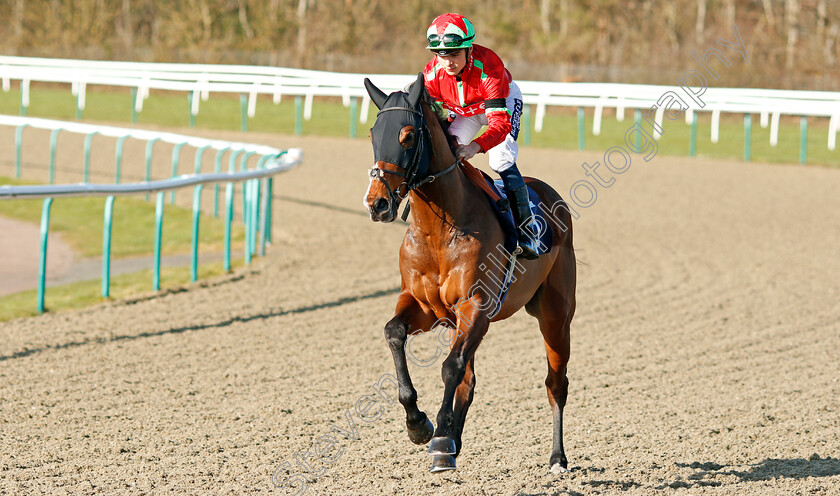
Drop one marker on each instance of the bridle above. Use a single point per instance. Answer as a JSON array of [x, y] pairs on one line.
[[411, 181]]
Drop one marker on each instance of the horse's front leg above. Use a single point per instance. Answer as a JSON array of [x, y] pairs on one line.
[[408, 319], [472, 326], [463, 400]]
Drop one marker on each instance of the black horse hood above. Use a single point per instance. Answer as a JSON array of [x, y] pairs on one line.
[[397, 110]]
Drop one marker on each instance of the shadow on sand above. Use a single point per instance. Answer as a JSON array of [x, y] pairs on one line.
[[771, 468]]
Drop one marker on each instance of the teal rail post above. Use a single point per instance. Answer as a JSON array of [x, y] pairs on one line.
[[266, 216], [217, 169], [196, 217], [176, 157], [253, 203], [262, 207], [158, 236], [150, 145], [134, 105], [118, 171], [243, 111], [53, 146], [88, 140], [199, 157], [232, 167], [354, 115], [747, 137], [581, 129], [243, 166], [692, 144], [42, 266], [106, 247], [79, 104], [298, 115], [638, 120], [22, 106], [19, 148], [803, 139], [228, 220], [248, 194], [269, 193], [526, 125], [255, 215]]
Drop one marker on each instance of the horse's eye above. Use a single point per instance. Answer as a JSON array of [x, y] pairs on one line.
[[408, 137]]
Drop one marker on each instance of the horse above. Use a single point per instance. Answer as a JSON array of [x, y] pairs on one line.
[[443, 265]]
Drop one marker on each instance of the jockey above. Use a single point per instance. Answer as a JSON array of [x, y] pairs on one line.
[[471, 82]]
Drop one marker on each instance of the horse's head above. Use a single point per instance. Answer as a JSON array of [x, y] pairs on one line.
[[400, 149]]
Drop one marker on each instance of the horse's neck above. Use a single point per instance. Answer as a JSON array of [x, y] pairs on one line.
[[447, 202], [441, 202]]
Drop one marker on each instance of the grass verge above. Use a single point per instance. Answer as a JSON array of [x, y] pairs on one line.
[[86, 293]]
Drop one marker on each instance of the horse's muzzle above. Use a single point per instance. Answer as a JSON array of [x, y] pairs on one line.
[[382, 211]]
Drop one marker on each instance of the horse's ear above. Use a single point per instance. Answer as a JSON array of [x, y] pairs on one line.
[[376, 95], [416, 91]]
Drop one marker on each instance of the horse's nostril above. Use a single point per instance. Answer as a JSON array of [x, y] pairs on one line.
[[380, 205]]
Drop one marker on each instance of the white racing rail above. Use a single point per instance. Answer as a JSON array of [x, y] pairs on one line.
[[202, 79]]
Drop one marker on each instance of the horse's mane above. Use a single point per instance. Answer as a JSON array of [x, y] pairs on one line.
[[443, 121]]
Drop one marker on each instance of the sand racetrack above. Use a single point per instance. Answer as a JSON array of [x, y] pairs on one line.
[[705, 353]]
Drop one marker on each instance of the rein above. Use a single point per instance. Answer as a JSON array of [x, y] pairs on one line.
[[411, 170]]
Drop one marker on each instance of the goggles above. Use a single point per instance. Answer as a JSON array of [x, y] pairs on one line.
[[449, 40]]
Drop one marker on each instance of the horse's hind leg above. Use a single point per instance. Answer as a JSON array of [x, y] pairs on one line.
[[408, 318], [557, 385], [556, 308]]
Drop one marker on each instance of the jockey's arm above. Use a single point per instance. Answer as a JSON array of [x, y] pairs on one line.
[[498, 124]]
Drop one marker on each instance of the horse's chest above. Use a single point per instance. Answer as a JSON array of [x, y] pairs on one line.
[[432, 277]]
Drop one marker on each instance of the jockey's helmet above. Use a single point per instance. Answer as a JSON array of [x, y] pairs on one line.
[[449, 33]]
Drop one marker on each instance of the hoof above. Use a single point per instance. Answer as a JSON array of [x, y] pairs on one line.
[[422, 434], [442, 446], [558, 469], [442, 463]]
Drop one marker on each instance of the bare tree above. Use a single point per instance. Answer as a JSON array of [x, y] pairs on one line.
[[768, 14], [243, 20], [822, 20], [301, 37], [700, 25], [565, 12], [728, 14], [792, 20], [17, 23], [125, 27], [830, 48], [545, 13], [671, 23]]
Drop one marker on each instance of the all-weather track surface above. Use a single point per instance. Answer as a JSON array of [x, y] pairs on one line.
[[705, 352]]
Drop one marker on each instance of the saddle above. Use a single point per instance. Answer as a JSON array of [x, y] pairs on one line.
[[495, 192]]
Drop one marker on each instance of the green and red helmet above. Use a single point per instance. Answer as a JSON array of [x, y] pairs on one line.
[[450, 32]]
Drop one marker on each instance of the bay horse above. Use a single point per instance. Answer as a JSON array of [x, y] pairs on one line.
[[444, 262]]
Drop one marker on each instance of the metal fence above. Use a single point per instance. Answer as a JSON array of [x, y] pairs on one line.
[[257, 197]]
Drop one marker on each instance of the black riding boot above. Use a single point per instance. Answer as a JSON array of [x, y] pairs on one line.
[[517, 194], [525, 222]]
